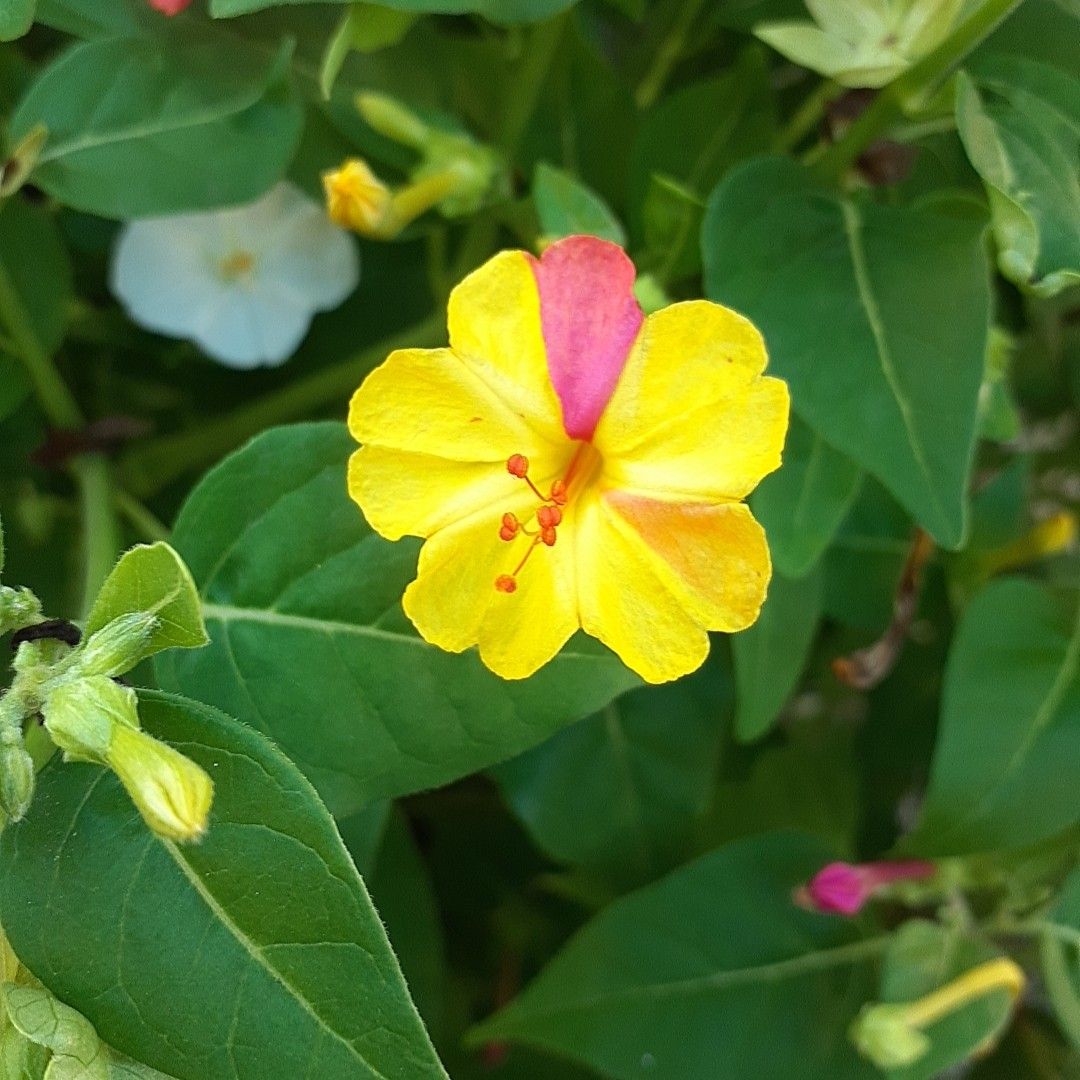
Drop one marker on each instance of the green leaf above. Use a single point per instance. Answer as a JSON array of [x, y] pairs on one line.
[[309, 643], [37, 291], [92, 18], [770, 655], [712, 972], [365, 28], [923, 957], [1020, 121], [694, 135], [802, 505], [566, 207], [77, 1052], [621, 791], [671, 223], [1059, 952], [884, 362], [16, 17], [499, 11], [1006, 768], [255, 953], [189, 119], [152, 578]]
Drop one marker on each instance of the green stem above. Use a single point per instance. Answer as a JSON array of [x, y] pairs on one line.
[[101, 536], [913, 87], [56, 399], [667, 56], [806, 117], [153, 465], [148, 525], [540, 50]]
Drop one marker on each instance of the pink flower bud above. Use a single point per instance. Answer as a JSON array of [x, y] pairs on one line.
[[844, 888], [169, 7]]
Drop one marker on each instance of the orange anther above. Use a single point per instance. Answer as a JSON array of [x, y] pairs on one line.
[[517, 465], [548, 536], [510, 527], [549, 516], [505, 583], [558, 493]]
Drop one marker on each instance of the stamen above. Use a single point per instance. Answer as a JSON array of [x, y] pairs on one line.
[[548, 536], [558, 493], [505, 583], [510, 527], [549, 516], [517, 465]]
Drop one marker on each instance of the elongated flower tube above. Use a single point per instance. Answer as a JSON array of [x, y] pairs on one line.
[[574, 464]]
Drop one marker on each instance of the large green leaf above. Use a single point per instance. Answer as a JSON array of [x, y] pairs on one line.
[[770, 655], [185, 120], [500, 11], [802, 505], [254, 954], [1020, 123], [712, 972], [621, 792], [1006, 768], [309, 643], [877, 316]]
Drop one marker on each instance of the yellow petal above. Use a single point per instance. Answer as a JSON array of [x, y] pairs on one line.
[[494, 323], [654, 576], [430, 401], [720, 451], [627, 605], [405, 494], [454, 603], [686, 355]]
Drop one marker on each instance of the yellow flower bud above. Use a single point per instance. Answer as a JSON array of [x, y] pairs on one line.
[[172, 793], [884, 1035], [357, 199]]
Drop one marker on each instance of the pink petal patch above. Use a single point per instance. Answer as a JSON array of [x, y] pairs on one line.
[[170, 7], [589, 318]]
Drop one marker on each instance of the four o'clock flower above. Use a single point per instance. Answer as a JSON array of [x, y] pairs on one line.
[[843, 888], [572, 463]]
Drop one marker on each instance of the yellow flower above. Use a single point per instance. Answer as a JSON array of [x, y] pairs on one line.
[[572, 463]]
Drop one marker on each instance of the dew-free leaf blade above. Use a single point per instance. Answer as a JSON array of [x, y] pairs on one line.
[[309, 643], [500, 11], [713, 971], [770, 655], [255, 953], [188, 119], [1020, 121], [621, 791], [884, 362], [802, 505], [1005, 770]]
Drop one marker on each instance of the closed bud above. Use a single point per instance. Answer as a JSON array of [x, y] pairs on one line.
[[357, 199], [172, 793], [16, 778], [884, 1035], [18, 608], [81, 716], [393, 120], [119, 645], [95, 719]]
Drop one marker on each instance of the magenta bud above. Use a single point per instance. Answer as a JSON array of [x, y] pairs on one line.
[[843, 888]]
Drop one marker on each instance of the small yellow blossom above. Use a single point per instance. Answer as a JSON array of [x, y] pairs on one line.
[[357, 199], [572, 464]]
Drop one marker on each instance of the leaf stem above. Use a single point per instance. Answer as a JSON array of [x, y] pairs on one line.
[[539, 51], [151, 466], [913, 87], [806, 117], [667, 56], [101, 535]]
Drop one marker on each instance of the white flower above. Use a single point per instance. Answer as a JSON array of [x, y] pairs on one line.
[[242, 283]]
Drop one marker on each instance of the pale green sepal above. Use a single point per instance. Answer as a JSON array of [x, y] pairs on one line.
[[81, 715], [119, 645], [152, 579]]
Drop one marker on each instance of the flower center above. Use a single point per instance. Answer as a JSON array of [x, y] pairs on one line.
[[543, 527], [237, 264]]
